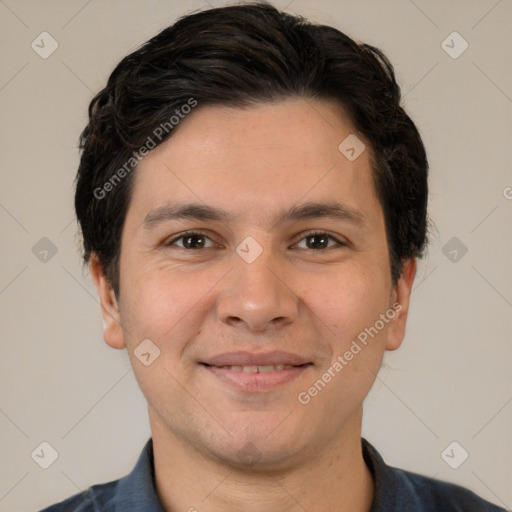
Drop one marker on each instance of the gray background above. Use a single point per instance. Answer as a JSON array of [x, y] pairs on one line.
[[450, 381]]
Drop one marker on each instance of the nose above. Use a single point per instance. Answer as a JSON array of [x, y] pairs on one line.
[[257, 296]]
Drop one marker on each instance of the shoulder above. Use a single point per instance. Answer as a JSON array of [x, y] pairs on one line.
[[437, 495], [76, 503], [95, 499], [399, 490], [132, 493]]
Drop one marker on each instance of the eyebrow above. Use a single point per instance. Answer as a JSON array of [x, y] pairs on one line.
[[303, 211]]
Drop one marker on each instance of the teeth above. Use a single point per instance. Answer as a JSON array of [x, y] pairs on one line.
[[259, 369], [266, 369]]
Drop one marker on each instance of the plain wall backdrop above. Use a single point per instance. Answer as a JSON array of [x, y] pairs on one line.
[[450, 380]]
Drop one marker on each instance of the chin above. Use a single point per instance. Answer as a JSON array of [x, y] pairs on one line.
[[260, 453]]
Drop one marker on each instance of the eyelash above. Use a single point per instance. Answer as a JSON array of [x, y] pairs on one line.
[[186, 234]]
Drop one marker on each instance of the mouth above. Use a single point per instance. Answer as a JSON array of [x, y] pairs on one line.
[[256, 372], [268, 368]]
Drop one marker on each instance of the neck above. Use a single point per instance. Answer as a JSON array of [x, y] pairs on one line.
[[336, 479]]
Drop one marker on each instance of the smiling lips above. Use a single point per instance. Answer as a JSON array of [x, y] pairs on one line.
[[274, 358], [258, 368], [256, 372]]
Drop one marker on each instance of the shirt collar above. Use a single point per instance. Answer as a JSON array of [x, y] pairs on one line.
[[392, 489], [137, 492]]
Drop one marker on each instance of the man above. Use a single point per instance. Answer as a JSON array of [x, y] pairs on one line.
[[252, 199]]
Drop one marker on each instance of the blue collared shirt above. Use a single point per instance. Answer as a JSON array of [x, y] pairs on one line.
[[395, 491]]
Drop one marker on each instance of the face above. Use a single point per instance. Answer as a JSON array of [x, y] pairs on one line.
[[254, 257]]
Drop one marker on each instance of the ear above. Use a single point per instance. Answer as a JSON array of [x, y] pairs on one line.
[[400, 304], [112, 329]]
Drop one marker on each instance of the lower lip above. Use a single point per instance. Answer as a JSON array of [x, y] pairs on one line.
[[257, 381]]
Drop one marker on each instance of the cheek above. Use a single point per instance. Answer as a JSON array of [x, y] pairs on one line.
[[349, 304], [162, 307], [165, 305], [347, 300]]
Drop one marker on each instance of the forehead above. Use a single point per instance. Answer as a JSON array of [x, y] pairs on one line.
[[257, 159], [312, 128]]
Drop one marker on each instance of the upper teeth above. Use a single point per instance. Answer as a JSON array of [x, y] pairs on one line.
[[259, 369]]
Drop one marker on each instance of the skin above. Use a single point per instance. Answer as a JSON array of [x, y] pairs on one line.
[[196, 303]]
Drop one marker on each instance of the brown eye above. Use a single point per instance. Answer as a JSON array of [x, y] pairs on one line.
[[319, 240], [191, 240]]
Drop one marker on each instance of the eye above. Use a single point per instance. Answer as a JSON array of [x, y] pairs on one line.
[[319, 240], [194, 240], [191, 240]]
